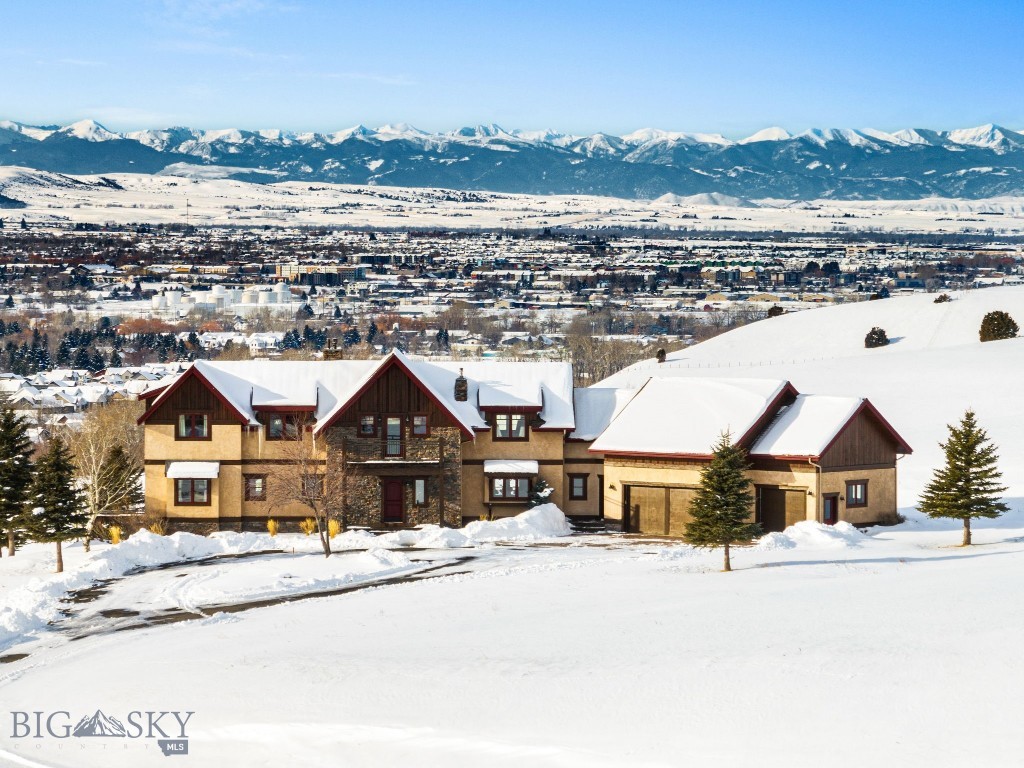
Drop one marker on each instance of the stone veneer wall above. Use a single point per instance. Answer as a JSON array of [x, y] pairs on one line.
[[363, 486]]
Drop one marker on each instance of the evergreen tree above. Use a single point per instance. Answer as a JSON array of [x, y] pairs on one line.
[[720, 511], [15, 471], [9, 302], [55, 509], [540, 493], [115, 359], [371, 332], [337, 312], [967, 487], [876, 338], [997, 325]]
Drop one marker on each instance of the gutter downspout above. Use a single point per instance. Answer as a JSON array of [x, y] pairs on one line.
[[817, 490]]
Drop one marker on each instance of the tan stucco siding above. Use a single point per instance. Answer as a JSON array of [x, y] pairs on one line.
[[881, 506]]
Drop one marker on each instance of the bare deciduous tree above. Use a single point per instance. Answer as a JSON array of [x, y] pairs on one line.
[[311, 475]]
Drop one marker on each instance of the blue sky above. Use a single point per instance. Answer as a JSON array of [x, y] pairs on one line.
[[732, 66]]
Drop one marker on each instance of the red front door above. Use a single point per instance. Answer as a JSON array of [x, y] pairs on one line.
[[392, 501]]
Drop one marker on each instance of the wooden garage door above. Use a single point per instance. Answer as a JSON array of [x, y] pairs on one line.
[[648, 509], [778, 508], [679, 500]]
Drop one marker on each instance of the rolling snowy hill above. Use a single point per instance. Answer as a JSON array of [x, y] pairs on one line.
[[233, 196], [932, 371]]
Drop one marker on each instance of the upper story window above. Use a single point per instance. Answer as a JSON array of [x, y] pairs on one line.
[[857, 493], [510, 426], [368, 425], [193, 426], [284, 426], [420, 425]]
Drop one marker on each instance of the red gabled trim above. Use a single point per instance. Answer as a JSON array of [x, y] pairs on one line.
[[748, 438], [901, 445], [153, 392], [284, 408], [193, 371], [391, 361]]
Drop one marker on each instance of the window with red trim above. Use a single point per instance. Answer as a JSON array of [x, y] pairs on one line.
[[193, 426], [284, 426], [857, 493], [420, 425], [368, 425], [192, 491], [255, 487], [578, 487], [510, 426], [510, 488]]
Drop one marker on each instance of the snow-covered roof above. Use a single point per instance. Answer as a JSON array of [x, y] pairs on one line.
[[806, 427], [328, 386], [686, 416], [595, 409], [511, 467]]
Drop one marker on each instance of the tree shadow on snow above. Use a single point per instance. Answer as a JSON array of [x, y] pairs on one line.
[[880, 560]]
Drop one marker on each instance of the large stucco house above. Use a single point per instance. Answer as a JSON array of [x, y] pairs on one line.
[[421, 441]]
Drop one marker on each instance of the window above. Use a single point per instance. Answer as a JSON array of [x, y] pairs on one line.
[[510, 426], [420, 425], [313, 487], [857, 493], [255, 487], [394, 444], [192, 491], [578, 487], [419, 492], [283, 426], [510, 488], [368, 426], [193, 426]]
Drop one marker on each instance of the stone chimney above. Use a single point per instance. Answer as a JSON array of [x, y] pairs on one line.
[[461, 388]]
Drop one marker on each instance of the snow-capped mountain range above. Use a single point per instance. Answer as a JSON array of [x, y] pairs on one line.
[[980, 162]]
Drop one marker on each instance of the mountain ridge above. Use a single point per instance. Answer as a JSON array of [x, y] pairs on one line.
[[820, 163]]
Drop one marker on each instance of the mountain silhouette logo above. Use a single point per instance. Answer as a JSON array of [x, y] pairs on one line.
[[99, 725]]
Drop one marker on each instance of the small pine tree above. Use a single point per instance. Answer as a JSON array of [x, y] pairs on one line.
[[942, 298], [997, 325], [55, 509], [540, 493], [720, 511], [967, 487], [876, 338], [775, 310], [15, 472]]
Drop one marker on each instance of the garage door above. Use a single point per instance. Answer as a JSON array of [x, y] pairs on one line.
[[778, 508], [659, 510], [679, 509]]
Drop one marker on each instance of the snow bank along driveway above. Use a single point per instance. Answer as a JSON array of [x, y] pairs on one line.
[[828, 647]]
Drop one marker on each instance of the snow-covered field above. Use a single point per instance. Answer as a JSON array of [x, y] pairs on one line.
[[55, 198], [826, 647]]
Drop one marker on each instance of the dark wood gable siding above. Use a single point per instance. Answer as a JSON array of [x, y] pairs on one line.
[[863, 443], [192, 396], [395, 393]]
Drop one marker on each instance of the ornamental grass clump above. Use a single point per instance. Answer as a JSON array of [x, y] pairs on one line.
[[273, 527], [308, 526]]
